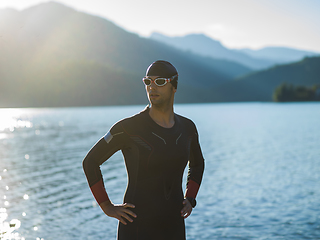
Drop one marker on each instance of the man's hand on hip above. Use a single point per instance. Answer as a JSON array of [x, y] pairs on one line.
[[187, 208], [119, 211]]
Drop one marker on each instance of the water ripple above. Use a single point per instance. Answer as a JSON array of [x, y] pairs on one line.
[[261, 179]]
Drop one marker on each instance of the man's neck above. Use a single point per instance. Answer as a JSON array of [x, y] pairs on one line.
[[163, 116]]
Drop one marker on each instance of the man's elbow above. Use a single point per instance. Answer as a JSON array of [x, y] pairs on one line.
[[85, 163]]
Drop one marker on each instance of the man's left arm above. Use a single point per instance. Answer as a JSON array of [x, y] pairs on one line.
[[195, 173]]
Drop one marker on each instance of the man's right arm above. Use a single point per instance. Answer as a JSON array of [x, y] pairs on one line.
[[98, 154]]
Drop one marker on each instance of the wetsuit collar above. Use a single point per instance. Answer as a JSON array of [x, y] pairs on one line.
[[150, 121]]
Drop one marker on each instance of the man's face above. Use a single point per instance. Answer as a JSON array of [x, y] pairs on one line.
[[160, 95]]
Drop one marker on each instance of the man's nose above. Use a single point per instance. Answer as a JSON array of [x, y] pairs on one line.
[[153, 85]]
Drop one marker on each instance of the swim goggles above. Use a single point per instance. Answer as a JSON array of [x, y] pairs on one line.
[[158, 81]]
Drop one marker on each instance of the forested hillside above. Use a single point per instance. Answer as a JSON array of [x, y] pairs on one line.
[[260, 86]]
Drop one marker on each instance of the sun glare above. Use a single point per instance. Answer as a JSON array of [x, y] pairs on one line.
[[18, 4], [10, 119]]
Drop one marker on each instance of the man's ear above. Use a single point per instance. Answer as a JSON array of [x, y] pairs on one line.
[[174, 89]]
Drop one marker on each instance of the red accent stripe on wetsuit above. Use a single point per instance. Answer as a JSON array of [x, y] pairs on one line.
[[99, 192], [192, 189]]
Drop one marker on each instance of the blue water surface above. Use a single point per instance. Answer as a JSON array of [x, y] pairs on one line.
[[261, 181]]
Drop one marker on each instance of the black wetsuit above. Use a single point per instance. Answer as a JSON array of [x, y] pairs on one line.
[[155, 159]]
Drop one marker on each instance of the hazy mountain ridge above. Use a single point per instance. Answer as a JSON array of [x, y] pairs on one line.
[[255, 59], [279, 54]]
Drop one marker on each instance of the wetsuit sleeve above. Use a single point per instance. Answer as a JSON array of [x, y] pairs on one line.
[[196, 168], [99, 153]]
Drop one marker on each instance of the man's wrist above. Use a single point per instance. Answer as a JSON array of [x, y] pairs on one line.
[[106, 203], [192, 201]]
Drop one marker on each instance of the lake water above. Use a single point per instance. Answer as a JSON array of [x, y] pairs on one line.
[[261, 181]]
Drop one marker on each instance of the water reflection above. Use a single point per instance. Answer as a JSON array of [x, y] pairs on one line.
[[16, 126], [261, 177], [7, 228]]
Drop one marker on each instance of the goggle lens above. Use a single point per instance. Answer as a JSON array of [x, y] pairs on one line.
[[160, 81], [147, 81]]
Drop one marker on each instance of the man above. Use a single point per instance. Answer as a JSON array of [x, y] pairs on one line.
[[156, 144]]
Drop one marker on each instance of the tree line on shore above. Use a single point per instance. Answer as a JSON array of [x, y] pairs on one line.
[[296, 93]]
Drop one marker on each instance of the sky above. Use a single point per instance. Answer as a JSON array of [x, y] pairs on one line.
[[235, 23]]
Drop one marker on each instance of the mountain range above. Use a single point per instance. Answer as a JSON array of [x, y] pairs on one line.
[[54, 56], [254, 59]]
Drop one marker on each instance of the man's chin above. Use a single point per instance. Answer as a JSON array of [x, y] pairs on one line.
[[155, 102]]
